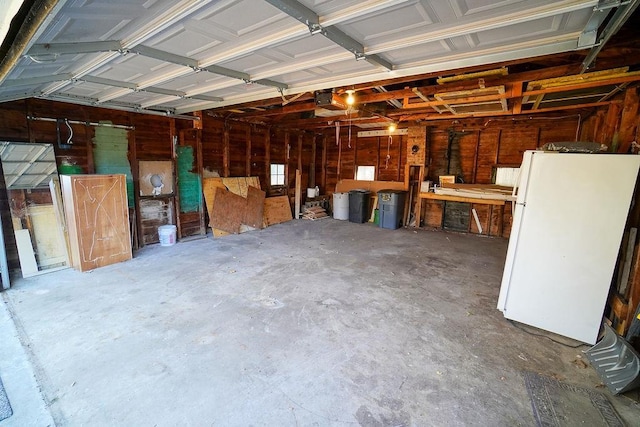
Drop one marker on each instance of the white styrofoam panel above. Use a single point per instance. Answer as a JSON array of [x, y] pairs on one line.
[[326, 7], [384, 24], [303, 46], [89, 90], [250, 63], [190, 81], [180, 37]]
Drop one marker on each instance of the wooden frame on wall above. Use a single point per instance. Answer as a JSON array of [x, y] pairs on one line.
[[163, 169]]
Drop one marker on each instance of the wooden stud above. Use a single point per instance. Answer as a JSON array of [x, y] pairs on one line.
[[312, 164], [300, 137], [267, 157], [225, 151], [629, 120], [200, 166], [286, 162], [135, 172], [298, 194], [248, 151], [610, 126], [475, 159]]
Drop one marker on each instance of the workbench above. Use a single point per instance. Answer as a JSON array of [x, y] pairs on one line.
[[491, 211]]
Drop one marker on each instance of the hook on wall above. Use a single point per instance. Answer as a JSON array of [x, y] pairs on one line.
[[69, 143]]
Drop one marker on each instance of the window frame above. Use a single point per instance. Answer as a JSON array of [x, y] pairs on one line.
[[372, 173], [275, 175]]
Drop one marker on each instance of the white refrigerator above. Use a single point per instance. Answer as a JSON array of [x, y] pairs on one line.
[[568, 223]]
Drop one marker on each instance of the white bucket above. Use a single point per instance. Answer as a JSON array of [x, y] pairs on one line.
[[311, 192], [167, 235], [341, 206]]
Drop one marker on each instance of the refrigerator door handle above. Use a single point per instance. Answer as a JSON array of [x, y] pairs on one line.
[[514, 192]]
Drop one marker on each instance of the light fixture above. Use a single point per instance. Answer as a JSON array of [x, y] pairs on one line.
[[350, 98], [392, 127]]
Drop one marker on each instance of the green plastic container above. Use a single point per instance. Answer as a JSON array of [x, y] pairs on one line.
[[376, 217]]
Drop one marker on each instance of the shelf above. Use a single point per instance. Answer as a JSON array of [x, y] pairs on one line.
[[446, 197]]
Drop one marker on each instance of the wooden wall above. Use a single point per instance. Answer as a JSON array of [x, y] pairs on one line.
[[231, 148]]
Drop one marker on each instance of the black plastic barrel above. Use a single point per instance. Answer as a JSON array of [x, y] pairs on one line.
[[359, 206]]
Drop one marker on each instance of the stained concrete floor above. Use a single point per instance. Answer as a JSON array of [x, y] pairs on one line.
[[324, 323]]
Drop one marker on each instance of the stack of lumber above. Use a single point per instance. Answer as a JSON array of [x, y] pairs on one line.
[[315, 212], [477, 191]]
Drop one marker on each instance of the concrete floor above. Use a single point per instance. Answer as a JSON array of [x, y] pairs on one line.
[[324, 323]]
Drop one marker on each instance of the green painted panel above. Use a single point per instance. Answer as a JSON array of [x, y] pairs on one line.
[[189, 183], [110, 148]]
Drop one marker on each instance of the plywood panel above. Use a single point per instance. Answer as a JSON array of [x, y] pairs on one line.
[[28, 263], [164, 170], [255, 207], [98, 219], [228, 211], [417, 145], [50, 247], [433, 213], [277, 210]]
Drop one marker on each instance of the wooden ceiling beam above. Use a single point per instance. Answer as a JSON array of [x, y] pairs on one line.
[[446, 116]]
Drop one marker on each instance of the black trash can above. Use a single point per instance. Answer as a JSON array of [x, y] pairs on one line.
[[359, 206], [391, 208]]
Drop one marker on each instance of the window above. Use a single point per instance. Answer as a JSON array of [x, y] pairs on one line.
[[277, 174], [366, 173]]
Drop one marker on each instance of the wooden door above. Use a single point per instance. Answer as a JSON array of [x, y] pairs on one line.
[[189, 200]]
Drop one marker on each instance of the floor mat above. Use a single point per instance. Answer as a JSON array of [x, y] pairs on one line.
[[555, 403], [5, 406]]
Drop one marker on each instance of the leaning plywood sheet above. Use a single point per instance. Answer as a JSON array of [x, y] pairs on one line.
[[255, 207], [209, 186], [235, 185], [277, 210], [228, 211], [97, 218], [28, 263]]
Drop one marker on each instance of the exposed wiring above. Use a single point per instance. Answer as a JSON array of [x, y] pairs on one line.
[[389, 142], [544, 336], [349, 127], [66, 122], [513, 119]]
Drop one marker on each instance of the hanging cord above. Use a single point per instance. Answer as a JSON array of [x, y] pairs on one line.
[[69, 141], [349, 127], [389, 142]]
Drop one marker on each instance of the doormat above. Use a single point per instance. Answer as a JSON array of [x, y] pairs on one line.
[[555, 403], [5, 406]]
